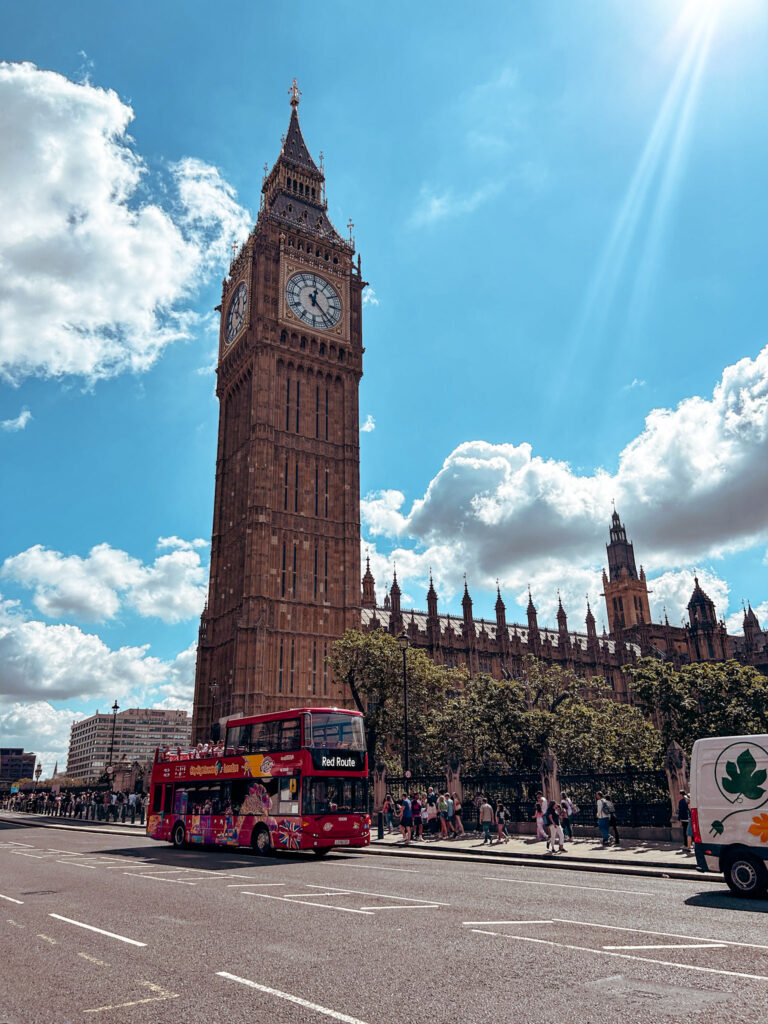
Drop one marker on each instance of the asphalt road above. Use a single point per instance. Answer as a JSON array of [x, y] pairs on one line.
[[104, 928]]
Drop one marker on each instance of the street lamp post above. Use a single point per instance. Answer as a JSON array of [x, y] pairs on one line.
[[115, 709], [214, 724], [38, 773], [404, 644]]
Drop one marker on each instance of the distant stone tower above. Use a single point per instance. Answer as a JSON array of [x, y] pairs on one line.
[[626, 593], [285, 550]]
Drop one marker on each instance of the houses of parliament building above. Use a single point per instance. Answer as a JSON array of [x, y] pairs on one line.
[[285, 573]]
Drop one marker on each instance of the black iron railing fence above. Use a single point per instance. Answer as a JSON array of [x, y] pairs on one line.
[[640, 796]]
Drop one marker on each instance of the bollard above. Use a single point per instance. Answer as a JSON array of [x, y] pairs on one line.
[[380, 824]]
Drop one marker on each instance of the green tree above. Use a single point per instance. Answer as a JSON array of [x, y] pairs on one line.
[[371, 665], [706, 699]]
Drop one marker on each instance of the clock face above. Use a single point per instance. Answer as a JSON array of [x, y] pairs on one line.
[[236, 314], [313, 300]]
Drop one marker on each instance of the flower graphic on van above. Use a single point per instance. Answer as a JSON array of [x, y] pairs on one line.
[[759, 827]]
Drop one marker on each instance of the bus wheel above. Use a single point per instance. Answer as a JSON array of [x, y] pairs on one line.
[[178, 836], [746, 876], [321, 851], [261, 842]]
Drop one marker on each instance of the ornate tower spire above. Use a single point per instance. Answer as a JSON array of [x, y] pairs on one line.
[[431, 600], [590, 621], [501, 612], [562, 620], [369, 586], [395, 616], [626, 593]]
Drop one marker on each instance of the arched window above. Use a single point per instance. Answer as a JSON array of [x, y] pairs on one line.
[[283, 336], [322, 349]]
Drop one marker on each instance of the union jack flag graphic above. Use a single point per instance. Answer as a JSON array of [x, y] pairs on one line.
[[289, 834]]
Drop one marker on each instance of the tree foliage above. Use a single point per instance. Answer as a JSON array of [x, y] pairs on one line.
[[706, 699], [485, 722]]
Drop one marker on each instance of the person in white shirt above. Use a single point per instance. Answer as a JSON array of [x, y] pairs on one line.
[[603, 819]]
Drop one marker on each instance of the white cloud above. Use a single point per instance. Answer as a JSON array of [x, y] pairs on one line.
[[369, 425], [94, 588], [93, 272], [691, 487], [434, 205], [636, 383], [40, 663], [17, 424], [369, 297]]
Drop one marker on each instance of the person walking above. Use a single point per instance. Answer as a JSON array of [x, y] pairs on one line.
[[501, 836], [612, 822], [552, 821], [486, 820], [416, 830], [684, 814], [566, 813], [603, 819], [458, 823], [442, 810], [539, 815], [406, 819], [388, 809]]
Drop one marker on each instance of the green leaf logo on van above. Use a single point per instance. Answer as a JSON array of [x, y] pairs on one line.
[[743, 778], [741, 781]]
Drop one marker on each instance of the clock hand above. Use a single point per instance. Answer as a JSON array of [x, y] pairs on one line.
[[313, 296]]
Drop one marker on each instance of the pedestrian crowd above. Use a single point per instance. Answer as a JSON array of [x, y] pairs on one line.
[[92, 805], [433, 815]]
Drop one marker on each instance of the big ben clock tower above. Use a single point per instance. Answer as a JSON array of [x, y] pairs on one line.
[[285, 549]]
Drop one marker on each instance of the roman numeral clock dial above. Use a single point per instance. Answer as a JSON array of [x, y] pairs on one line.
[[312, 299]]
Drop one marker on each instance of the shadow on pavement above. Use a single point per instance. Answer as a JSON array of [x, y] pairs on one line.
[[726, 901]]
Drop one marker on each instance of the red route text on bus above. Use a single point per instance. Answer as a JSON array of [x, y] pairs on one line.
[[293, 780]]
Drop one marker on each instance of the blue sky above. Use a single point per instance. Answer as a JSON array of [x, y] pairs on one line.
[[561, 210]]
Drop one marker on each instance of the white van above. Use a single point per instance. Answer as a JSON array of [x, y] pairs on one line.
[[729, 810]]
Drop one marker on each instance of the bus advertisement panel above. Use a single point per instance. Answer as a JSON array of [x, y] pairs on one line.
[[294, 780]]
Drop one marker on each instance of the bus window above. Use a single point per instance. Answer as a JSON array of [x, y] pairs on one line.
[[334, 796], [288, 796], [168, 799], [157, 799], [290, 734], [334, 731]]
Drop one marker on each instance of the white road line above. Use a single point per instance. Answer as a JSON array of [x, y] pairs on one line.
[[675, 945], [407, 906], [506, 922], [666, 935], [381, 895], [335, 892], [627, 956], [371, 867], [20, 853], [306, 903], [566, 885], [77, 864], [30, 846], [47, 938], [239, 885], [11, 899], [174, 881], [292, 999], [101, 931], [69, 853]]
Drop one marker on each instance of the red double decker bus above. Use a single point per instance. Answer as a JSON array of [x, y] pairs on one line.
[[293, 780]]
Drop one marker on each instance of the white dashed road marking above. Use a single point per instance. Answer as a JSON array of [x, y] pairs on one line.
[[345, 1017], [101, 931]]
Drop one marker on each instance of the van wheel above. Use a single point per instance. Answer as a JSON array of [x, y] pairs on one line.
[[746, 876], [261, 842], [321, 851], [178, 836]]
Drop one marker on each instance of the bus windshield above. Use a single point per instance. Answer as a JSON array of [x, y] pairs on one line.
[[334, 796], [336, 731]]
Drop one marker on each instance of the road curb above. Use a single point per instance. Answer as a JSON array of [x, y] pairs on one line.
[[541, 858], [116, 830], [511, 860]]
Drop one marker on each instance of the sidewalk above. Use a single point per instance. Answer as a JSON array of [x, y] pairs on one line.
[[84, 824], [631, 853]]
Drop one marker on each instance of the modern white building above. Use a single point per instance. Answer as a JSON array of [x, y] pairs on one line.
[[138, 732]]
